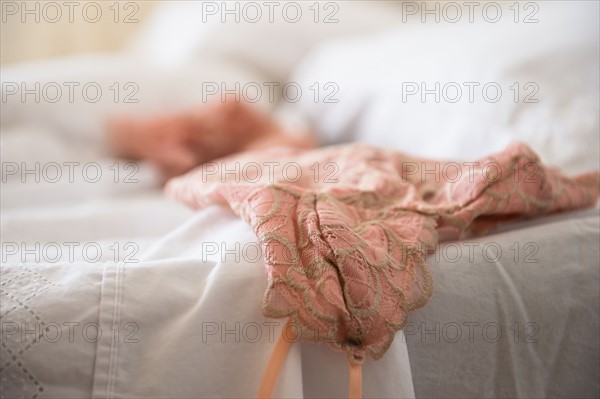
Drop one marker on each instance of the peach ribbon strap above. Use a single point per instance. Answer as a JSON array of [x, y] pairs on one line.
[[282, 347], [265, 390], [355, 385]]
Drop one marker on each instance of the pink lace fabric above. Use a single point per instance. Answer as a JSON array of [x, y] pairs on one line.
[[345, 230]]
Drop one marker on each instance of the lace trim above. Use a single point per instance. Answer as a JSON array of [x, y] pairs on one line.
[[346, 261]]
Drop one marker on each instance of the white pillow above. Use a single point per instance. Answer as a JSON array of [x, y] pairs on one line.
[[270, 37], [76, 95], [558, 57]]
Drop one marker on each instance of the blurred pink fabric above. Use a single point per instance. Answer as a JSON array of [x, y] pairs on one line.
[[345, 230]]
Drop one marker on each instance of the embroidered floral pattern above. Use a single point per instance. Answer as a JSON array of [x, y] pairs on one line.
[[18, 289]]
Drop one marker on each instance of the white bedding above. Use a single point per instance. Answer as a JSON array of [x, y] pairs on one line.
[[421, 88], [172, 289], [175, 296], [158, 270]]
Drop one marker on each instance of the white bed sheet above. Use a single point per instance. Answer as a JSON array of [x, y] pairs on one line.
[[188, 318], [173, 298]]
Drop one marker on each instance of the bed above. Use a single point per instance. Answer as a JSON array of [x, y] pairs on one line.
[[111, 290]]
